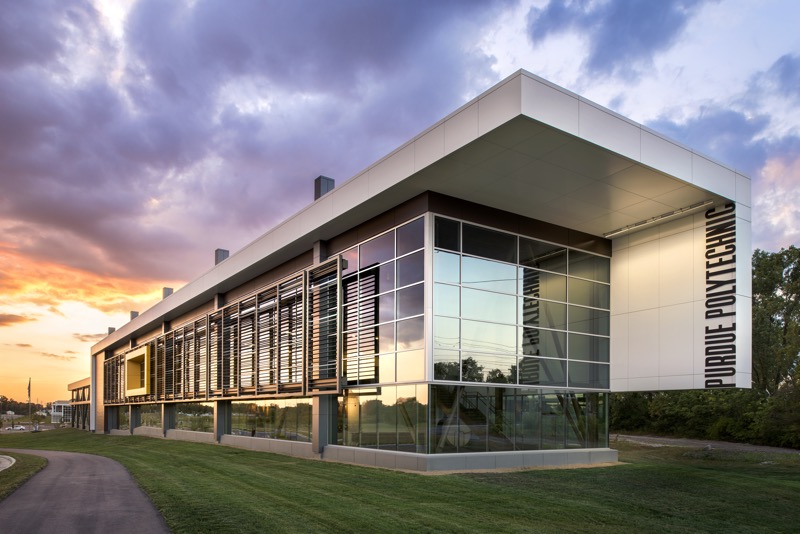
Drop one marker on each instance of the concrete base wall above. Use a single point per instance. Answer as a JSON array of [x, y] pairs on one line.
[[149, 431], [117, 432], [189, 435], [277, 446], [470, 461]]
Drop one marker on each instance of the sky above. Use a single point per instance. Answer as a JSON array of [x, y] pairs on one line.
[[136, 137]]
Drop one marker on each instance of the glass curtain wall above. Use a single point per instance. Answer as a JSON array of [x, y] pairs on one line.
[[513, 310], [286, 419]]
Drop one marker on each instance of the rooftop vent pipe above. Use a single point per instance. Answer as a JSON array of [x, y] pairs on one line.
[[220, 255], [322, 185]]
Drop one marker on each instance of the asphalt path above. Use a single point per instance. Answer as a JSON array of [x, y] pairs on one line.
[[79, 493], [657, 441]]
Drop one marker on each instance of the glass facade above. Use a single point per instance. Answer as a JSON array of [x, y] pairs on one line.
[[513, 310], [516, 357], [195, 416], [287, 419]]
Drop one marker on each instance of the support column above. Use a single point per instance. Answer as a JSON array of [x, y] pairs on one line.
[[223, 417], [135, 417], [169, 418], [323, 421]]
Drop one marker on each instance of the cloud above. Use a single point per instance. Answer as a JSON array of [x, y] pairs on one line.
[[134, 160], [10, 319], [58, 357], [23, 345], [623, 35], [88, 338]]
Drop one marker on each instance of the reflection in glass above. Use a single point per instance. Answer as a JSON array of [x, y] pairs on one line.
[[585, 265], [487, 306], [350, 261], [195, 416], [410, 269], [446, 300], [488, 275], [553, 421], [536, 312], [445, 333], [542, 372], [447, 234], [589, 293], [588, 320], [410, 301], [476, 367], [446, 267], [539, 342], [488, 337], [386, 307], [528, 422], [542, 255], [411, 236], [589, 348], [410, 334], [150, 415], [541, 284], [377, 250], [490, 244], [446, 364], [411, 365], [386, 337], [588, 375], [386, 368]]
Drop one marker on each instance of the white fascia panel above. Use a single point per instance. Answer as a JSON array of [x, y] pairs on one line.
[[391, 170], [713, 177], [461, 128], [603, 128], [743, 190], [665, 155], [500, 105], [551, 105], [429, 148]]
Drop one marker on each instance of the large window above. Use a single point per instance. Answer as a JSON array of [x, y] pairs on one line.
[[514, 310], [383, 297], [287, 419]]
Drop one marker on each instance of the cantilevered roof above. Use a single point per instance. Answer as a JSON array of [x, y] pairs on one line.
[[525, 146]]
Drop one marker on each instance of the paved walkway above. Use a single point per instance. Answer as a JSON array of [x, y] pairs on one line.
[[79, 493], [657, 441]]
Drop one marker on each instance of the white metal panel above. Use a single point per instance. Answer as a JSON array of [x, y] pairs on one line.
[[611, 131], [665, 155], [713, 177], [550, 105]]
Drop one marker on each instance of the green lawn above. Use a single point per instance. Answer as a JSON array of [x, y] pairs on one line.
[[206, 488]]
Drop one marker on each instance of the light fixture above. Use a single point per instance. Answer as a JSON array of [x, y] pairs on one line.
[[658, 218]]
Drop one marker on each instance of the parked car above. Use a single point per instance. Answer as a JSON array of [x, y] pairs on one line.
[[15, 427]]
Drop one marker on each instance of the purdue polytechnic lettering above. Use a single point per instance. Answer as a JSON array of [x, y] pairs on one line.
[[720, 313]]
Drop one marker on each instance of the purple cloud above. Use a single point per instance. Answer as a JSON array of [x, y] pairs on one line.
[[623, 35]]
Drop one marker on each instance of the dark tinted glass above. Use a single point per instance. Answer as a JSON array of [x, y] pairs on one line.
[[588, 375], [447, 234], [377, 250], [490, 244], [350, 261], [589, 348], [542, 372], [410, 269], [589, 266], [410, 301], [410, 334], [541, 255], [538, 342], [588, 321], [410, 236]]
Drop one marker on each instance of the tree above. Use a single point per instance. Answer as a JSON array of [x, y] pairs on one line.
[[776, 318]]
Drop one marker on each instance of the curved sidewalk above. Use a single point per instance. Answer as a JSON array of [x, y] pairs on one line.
[[79, 493]]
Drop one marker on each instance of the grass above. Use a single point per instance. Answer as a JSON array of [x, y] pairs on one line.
[[206, 488], [24, 468]]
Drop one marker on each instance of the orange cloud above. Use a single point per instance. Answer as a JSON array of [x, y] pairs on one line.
[[8, 319], [47, 284]]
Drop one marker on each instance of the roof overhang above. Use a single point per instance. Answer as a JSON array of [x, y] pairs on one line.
[[525, 146]]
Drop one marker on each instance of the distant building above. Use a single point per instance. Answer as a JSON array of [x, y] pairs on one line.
[[80, 403], [468, 301], [60, 412]]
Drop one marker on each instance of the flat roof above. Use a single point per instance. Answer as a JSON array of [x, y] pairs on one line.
[[525, 146]]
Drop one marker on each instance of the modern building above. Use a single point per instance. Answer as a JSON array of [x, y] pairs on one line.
[[60, 412], [468, 301], [81, 396]]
